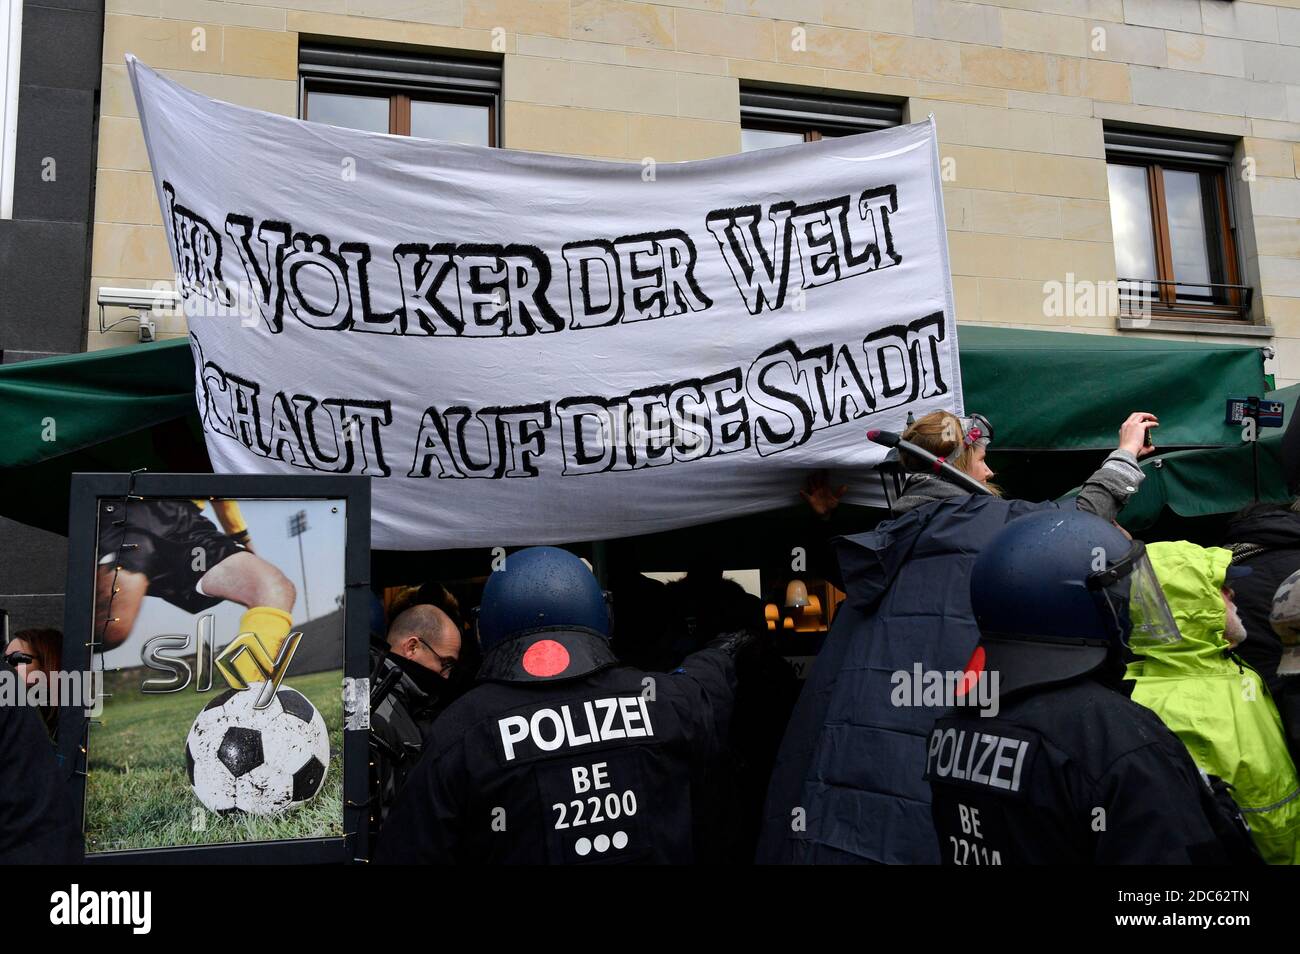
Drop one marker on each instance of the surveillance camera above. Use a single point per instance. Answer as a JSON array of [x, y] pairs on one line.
[[142, 302], [138, 299]]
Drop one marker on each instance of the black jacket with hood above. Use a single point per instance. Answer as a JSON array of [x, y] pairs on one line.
[[849, 784], [1267, 541], [405, 699], [38, 820]]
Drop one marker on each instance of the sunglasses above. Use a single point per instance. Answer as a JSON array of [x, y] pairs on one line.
[[20, 658], [446, 665]]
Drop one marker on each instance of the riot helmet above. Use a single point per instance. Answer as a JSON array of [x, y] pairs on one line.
[[543, 616], [1058, 593]]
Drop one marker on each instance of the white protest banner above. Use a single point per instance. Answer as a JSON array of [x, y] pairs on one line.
[[524, 348]]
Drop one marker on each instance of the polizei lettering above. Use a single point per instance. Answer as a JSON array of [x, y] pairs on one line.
[[573, 726], [962, 754]]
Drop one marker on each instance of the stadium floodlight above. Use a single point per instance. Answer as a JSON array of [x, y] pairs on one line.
[[297, 527]]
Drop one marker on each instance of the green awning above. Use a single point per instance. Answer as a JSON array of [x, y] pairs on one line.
[[134, 407], [57, 406], [117, 410], [1215, 480], [1057, 391]]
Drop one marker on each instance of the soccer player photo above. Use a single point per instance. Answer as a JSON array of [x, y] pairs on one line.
[[219, 624]]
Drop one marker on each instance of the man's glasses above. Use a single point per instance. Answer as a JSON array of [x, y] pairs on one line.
[[445, 665]]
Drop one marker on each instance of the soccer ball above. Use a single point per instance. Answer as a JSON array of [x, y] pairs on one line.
[[260, 761]]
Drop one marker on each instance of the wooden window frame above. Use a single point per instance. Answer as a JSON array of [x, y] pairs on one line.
[[399, 102], [402, 78], [1227, 299]]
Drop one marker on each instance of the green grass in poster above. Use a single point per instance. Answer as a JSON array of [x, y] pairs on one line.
[[137, 793]]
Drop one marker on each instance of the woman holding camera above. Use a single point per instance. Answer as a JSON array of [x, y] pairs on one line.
[[852, 763]]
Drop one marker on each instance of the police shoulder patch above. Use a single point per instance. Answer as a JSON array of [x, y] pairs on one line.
[[975, 753]]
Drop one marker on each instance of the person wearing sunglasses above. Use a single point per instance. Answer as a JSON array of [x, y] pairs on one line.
[[412, 681], [36, 655], [560, 754], [426, 636], [39, 823]]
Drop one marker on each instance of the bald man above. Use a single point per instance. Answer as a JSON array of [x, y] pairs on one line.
[[427, 637], [411, 682]]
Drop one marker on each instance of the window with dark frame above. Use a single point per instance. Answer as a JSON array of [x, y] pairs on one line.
[[406, 94], [1174, 227], [780, 118]]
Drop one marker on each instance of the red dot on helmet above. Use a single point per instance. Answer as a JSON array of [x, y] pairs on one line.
[[972, 674], [545, 657]]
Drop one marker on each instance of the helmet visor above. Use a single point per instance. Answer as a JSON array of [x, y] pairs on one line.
[[1131, 594], [1153, 623]]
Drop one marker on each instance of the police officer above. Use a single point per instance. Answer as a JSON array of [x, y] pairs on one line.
[[1050, 762], [560, 755]]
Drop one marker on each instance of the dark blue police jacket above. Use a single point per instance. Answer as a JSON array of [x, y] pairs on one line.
[[848, 786]]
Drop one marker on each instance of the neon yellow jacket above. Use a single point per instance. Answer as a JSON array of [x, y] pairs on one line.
[[1218, 706]]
